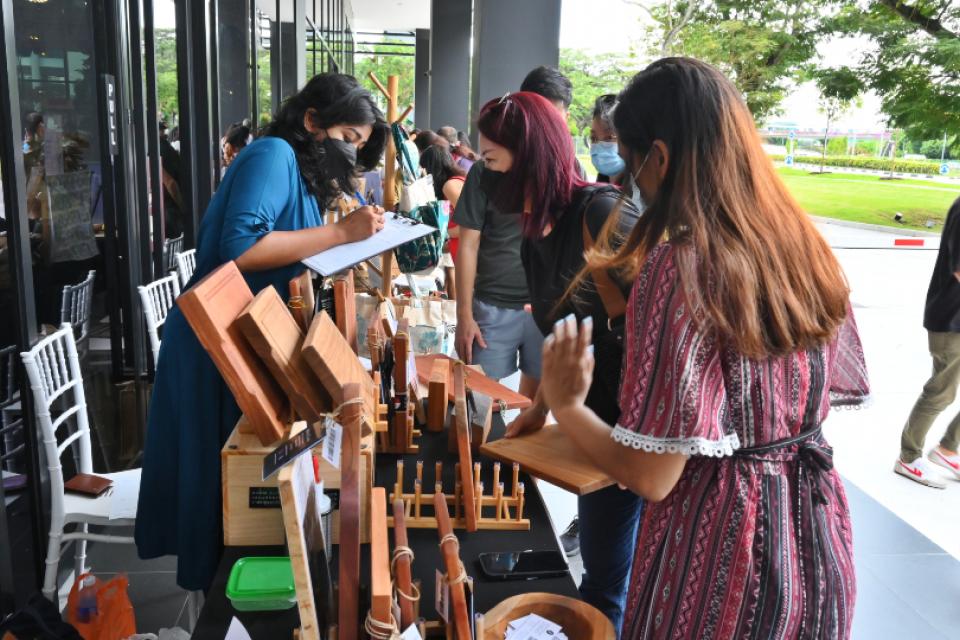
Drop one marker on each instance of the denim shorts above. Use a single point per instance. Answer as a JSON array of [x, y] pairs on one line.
[[512, 339]]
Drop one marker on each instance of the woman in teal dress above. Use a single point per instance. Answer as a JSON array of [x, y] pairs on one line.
[[266, 216]]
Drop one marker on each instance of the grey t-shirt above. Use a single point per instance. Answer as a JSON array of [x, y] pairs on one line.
[[500, 280]]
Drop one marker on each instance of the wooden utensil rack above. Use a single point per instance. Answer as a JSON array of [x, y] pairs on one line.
[[498, 509]]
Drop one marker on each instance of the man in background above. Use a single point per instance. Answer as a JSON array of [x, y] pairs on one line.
[[941, 319]]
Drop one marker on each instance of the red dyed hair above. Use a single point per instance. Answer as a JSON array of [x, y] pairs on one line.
[[544, 174]]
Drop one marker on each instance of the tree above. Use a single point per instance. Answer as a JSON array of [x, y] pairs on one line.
[[165, 43], [761, 45], [838, 89], [671, 18], [592, 76], [375, 58], [915, 64]]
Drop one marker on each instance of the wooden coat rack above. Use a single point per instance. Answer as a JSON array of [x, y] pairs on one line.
[[392, 94]]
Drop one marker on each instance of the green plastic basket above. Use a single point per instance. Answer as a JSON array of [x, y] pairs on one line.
[[262, 584]]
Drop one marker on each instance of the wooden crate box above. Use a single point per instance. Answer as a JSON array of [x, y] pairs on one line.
[[262, 524]]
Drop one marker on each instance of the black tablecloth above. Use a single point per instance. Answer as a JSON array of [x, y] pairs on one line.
[[217, 611]]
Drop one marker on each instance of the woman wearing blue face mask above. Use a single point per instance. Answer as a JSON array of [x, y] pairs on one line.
[[603, 141]]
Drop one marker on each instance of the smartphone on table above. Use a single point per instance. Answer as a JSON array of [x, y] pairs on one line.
[[523, 565]]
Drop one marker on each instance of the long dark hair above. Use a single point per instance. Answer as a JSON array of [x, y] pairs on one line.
[[440, 164], [544, 172], [755, 271], [336, 99]]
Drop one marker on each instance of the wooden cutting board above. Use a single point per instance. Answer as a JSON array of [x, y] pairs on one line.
[[549, 455], [331, 358], [211, 307], [276, 337], [476, 381]]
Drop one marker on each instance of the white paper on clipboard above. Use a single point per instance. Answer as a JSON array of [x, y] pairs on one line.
[[396, 231]]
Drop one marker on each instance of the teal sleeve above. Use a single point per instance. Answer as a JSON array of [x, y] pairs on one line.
[[260, 191]]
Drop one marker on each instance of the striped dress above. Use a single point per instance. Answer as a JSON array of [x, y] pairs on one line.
[[751, 543]]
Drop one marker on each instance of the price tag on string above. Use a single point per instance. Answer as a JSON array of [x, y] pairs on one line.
[[442, 592], [332, 442]]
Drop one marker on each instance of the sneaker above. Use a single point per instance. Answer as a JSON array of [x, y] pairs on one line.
[[950, 463], [919, 471], [570, 538]]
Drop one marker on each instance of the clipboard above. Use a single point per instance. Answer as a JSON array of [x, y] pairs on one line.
[[397, 230]]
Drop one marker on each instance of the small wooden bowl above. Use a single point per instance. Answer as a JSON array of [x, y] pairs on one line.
[[578, 619]]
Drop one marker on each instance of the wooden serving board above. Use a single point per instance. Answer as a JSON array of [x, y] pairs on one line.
[[549, 455], [331, 358], [345, 306], [276, 337], [350, 510], [211, 307], [297, 489], [476, 381]]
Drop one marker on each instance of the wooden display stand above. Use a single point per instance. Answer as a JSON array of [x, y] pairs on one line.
[[471, 507], [496, 510], [251, 507]]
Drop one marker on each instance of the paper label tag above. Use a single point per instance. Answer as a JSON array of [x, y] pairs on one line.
[[332, 442], [412, 633], [442, 603]]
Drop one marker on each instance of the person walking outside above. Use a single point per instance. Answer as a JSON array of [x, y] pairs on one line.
[[941, 319]]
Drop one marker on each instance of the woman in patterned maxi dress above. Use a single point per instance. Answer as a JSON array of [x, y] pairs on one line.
[[739, 337]]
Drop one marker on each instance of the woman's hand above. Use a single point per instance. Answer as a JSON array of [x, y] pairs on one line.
[[361, 223], [530, 420], [567, 364]]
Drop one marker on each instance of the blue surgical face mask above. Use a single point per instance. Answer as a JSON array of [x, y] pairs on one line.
[[606, 159]]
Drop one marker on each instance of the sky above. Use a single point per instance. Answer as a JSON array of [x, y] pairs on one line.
[[609, 26]]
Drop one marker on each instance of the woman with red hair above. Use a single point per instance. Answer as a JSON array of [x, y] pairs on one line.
[[527, 150]]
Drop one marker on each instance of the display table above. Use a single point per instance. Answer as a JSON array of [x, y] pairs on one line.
[[217, 611]]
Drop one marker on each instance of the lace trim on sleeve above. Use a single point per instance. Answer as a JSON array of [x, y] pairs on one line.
[[849, 401], [687, 446]]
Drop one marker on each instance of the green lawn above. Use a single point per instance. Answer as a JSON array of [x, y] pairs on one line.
[[862, 198]]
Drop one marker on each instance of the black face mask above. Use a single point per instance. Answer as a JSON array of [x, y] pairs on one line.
[[341, 161]]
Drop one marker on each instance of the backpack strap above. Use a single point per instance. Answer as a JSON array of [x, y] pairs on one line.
[[610, 294]]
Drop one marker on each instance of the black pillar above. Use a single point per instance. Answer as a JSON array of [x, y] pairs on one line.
[[450, 62], [510, 38], [233, 72], [421, 82]]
